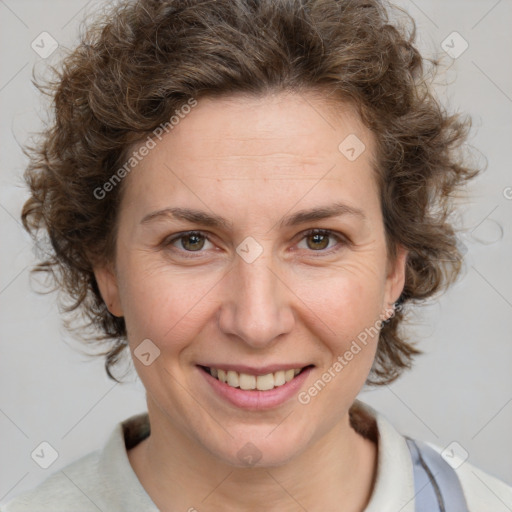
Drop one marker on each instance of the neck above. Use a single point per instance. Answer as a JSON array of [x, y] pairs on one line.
[[336, 472]]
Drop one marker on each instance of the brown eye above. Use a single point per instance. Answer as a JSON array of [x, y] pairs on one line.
[[318, 241], [188, 242], [322, 241], [192, 242]]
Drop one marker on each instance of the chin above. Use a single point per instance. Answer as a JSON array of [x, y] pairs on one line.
[[261, 447]]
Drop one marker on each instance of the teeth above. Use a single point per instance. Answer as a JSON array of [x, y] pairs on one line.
[[279, 379], [247, 381], [260, 382], [265, 382], [233, 379]]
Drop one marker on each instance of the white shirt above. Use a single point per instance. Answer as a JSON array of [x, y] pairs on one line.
[[104, 480]]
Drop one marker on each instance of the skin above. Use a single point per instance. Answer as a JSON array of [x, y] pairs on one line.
[[253, 161]]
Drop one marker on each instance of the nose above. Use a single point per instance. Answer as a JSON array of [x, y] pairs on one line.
[[257, 304]]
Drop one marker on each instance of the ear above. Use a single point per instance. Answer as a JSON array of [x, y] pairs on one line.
[[395, 280], [109, 289]]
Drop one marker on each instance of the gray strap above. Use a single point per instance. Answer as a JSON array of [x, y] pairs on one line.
[[436, 484]]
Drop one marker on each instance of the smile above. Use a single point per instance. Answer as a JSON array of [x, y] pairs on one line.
[[248, 382], [255, 388]]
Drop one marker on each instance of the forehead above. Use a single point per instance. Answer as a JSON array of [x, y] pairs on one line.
[[303, 126], [291, 141]]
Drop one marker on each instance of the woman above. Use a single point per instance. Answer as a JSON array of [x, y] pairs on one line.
[[245, 195]]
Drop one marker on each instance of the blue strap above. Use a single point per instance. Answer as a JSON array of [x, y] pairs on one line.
[[436, 484]]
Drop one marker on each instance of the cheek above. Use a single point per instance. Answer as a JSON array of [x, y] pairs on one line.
[[163, 306], [345, 316], [346, 299]]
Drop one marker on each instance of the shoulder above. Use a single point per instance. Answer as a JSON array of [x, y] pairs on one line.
[[101, 480], [397, 479], [64, 490], [482, 490]]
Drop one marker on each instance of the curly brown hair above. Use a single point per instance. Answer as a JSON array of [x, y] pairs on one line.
[[139, 62]]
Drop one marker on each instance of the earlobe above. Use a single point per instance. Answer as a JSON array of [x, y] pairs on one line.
[[396, 275], [109, 289]]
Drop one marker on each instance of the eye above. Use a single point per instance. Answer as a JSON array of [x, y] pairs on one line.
[[191, 241], [318, 240]]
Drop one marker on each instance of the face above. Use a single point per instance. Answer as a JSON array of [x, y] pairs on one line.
[[249, 242]]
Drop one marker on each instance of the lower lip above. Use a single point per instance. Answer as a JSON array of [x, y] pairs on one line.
[[254, 399]]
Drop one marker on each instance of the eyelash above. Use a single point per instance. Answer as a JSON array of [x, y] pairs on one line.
[[342, 241]]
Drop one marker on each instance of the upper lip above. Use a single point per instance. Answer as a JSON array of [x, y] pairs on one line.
[[252, 370]]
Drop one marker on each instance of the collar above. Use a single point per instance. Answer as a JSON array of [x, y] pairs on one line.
[[121, 485], [394, 482]]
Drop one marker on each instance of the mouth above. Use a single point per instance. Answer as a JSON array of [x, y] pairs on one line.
[[252, 382]]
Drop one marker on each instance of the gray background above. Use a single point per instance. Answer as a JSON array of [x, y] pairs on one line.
[[459, 391]]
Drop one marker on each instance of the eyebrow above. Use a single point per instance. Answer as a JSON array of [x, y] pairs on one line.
[[216, 221]]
